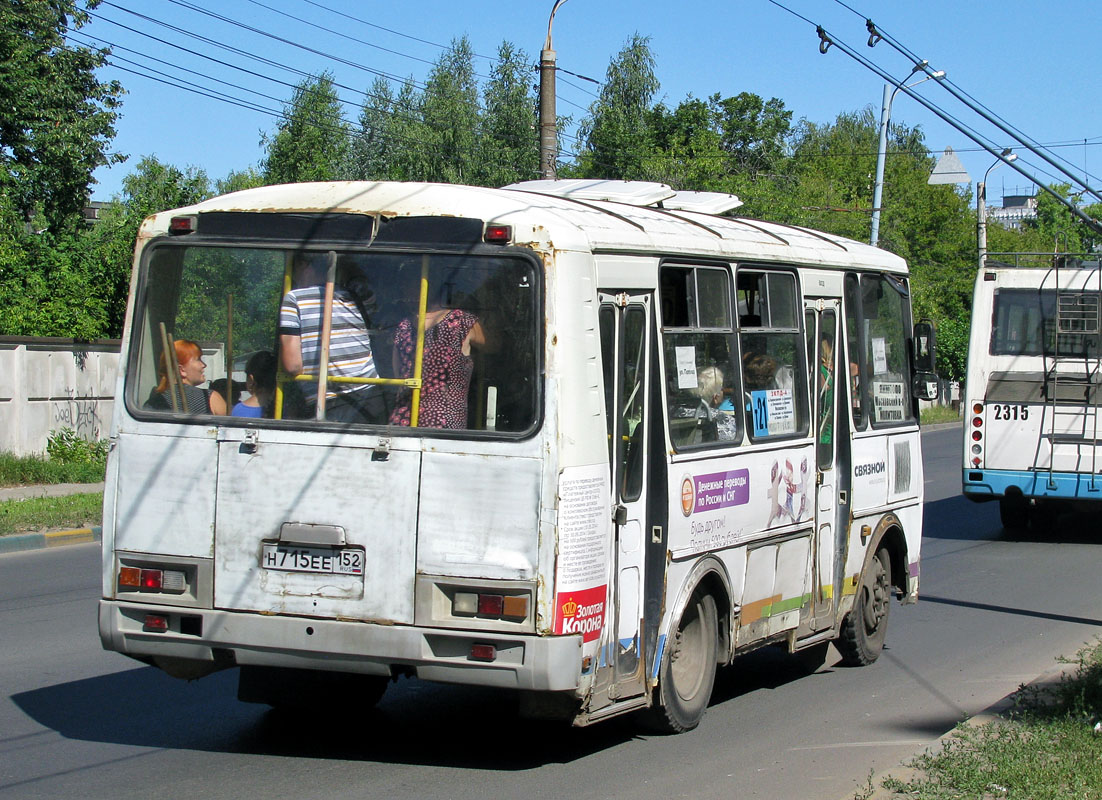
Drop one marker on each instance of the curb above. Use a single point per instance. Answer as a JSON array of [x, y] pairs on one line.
[[19, 542], [993, 713]]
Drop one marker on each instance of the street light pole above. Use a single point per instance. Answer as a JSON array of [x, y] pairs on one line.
[[882, 150], [1005, 157], [549, 140]]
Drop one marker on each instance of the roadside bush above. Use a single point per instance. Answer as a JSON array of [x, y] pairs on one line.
[[69, 459]]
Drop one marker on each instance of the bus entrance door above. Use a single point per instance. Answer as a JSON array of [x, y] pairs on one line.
[[625, 344], [822, 324]]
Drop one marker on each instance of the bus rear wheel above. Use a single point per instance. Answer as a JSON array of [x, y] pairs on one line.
[[688, 668], [864, 628]]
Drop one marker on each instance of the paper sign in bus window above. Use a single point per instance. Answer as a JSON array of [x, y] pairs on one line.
[[879, 355], [888, 398], [686, 367], [773, 412]]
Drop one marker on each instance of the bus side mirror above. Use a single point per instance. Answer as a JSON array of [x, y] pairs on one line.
[[924, 384]]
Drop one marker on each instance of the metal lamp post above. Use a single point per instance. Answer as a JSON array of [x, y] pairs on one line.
[[549, 140], [1005, 157], [881, 153]]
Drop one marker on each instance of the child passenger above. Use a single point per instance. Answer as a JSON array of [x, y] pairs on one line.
[[260, 380]]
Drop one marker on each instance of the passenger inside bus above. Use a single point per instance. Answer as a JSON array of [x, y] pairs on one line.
[[447, 364], [714, 423], [350, 355], [260, 382], [181, 392]]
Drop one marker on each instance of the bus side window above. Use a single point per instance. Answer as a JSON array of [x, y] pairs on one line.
[[774, 366], [854, 352], [886, 327], [698, 348]]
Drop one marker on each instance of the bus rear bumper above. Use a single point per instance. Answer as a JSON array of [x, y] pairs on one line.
[[994, 483], [215, 639]]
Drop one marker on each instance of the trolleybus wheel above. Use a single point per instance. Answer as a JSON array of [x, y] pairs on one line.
[[1013, 512], [864, 628], [688, 668]]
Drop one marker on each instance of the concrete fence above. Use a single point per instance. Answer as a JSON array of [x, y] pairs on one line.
[[47, 384]]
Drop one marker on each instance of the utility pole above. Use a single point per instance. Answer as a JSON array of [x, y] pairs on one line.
[[549, 134]]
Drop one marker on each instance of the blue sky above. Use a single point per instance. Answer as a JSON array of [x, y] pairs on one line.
[[1035, 65]]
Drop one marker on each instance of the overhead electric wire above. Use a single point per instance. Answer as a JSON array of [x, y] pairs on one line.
[[826, 40], [876, 34], [182, 3]]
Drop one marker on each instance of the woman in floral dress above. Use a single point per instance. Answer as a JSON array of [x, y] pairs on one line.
[[445, 371]]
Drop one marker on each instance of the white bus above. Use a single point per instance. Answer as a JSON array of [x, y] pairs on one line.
[[1033, 387], [647, 468]]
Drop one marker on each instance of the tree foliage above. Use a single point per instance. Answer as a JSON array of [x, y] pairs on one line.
[[57, 118], [310, 142]]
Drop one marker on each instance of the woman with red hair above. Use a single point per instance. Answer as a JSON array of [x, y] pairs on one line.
[[189, 397]]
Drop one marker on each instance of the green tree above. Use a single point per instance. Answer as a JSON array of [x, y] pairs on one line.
[[236, 180], [153, 186], [57, 119], [507, 140], [372, 149], [450, 119], [617, 138], [311, 139], [753, 131]]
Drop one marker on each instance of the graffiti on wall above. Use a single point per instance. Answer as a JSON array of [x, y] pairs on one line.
[[79, 412]]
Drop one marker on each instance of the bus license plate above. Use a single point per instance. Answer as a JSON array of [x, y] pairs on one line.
[[323, 560]]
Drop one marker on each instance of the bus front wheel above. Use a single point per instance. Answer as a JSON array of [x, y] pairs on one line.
[[688, 667], [864, 628]]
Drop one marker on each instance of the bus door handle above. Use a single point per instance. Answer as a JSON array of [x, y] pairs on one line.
[[843, 497], [620, 515]]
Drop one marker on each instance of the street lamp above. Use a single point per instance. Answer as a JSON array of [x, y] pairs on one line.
[[549, 140], [881, 153], [1005, 157]]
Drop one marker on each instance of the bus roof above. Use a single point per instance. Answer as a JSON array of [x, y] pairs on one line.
[[562, 223]]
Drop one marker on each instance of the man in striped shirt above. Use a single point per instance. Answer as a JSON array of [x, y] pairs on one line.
[[300, 326]]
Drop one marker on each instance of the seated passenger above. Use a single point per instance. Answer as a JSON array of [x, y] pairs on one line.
[[189, 398], [759, 371], [260, 381], [713, 421]]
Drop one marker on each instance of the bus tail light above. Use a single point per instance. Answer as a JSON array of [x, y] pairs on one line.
[[498, 234], [155, 623], [483, 652], [490, 605], [977, 434], [152, 580], [179, 226]]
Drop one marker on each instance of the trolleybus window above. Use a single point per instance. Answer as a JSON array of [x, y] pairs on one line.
[[459, 332], [698, 344], [774, 372], [1025, 323]]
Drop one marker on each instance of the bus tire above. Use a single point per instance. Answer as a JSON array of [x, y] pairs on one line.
[[864, 628], [688, 668], [1013, 512]]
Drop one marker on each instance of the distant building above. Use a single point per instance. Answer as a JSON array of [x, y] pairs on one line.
[[92, 210], [1015, 208]]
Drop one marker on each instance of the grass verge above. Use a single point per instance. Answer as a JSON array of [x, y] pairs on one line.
[[1045, 748], [938, 414], [28, 470], [51, 513]]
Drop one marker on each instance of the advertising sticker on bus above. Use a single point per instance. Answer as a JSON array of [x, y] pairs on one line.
[[582, 568], [773, 412]]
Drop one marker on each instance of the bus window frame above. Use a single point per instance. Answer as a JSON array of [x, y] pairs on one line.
[[132, 338], [733, 374], [801, 389]]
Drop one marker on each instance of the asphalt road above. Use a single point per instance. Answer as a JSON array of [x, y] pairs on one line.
[[77, 722]]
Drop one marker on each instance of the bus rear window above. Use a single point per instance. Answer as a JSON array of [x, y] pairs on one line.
[[337, 336], [1025, 323]]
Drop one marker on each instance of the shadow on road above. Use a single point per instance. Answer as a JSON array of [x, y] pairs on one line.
[[416, 722], [956, 518]]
